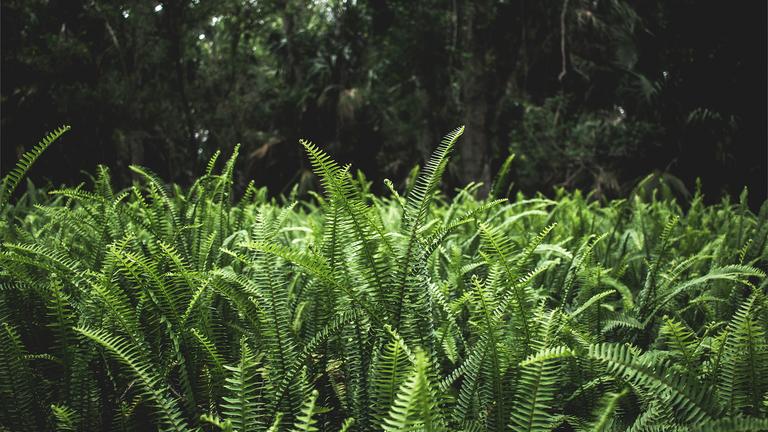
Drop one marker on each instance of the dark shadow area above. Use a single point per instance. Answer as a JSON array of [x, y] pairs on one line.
[[587, 94]]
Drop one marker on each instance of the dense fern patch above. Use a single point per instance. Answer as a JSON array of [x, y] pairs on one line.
[[157, 308]]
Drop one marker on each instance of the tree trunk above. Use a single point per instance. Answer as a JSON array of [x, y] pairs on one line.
[[474, 151]]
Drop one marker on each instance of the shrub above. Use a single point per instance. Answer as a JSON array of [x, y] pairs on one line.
[[162, 308], [589, 150]]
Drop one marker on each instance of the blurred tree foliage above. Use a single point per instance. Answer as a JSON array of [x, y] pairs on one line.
[[593, 94]]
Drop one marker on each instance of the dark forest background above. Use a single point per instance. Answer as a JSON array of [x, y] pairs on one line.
[[587, 94]]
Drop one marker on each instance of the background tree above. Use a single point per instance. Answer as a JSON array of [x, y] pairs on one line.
[[591, 94]]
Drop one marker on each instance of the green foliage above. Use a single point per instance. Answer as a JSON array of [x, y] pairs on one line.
[[12, 179], [416, 407], [157, 308], [593, 148], [586, 93], [536, 390], [241, 403]]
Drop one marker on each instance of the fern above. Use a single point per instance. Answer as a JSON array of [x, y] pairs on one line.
[[417, 406], [536, 390], [743, 370], [306, 421], [418, 201], [390, 369], [12, 179], [66, 418], [687, 398], [169, 416], [17, 384], [160, 307], [243, 405]]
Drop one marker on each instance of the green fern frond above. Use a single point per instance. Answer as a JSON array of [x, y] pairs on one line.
[[347, 425], [417, 406], [735, 273], [734, 424], [169, 415], [306, 421], [12, 179], [356, 224], [243, 404], [501, 250], [592, 300], [18, 399], [742, 374], [315, 266], [215, 359], [606, 412], [535, 390], [501, 184], [687, 398], [390, 369], [65, 418], [681, 342], [420, 196], [222, 425]]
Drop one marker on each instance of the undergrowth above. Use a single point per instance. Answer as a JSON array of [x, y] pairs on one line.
[[162, 308]]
